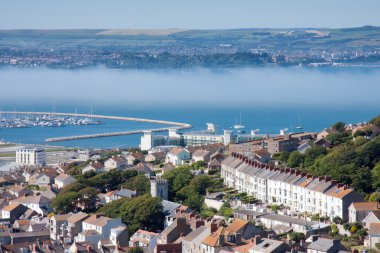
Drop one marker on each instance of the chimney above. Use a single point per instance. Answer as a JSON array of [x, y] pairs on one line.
[[221, 240], [213, 227], [238, 238], [257, 239]]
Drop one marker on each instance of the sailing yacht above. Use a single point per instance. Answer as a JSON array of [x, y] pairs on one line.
[[299, 123]]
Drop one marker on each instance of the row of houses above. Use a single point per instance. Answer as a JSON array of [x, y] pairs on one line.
[[297, 190]]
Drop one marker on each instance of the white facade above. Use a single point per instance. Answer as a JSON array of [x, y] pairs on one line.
[[31, 156], [178, 156], [299, 191]]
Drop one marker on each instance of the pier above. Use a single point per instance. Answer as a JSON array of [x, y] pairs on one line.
[[172, 124]]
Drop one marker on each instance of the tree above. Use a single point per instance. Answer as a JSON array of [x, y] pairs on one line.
[[136, 250], [143, 212], [375, 173], [376, 121], [334, 229], [312, 154], [375, 197], [226, 210], [339, 126], [66, 202], [295, 159], [201, 183], [297, 237], [139, 183], [337, 220], [87, 198], [178, 178]]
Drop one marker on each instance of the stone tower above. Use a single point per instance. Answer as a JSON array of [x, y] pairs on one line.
[[159, 188]]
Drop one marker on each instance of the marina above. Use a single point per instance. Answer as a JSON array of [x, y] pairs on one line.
[[46, 120], [68, 116]]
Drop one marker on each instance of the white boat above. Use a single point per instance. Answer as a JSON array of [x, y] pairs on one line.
[[299, 123]]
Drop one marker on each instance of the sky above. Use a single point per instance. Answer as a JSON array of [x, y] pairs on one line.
[[196, 14]]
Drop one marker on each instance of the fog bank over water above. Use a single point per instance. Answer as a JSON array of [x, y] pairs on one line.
[[234, 88]]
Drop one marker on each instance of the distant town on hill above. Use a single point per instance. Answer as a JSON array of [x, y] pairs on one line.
[[179, 48]]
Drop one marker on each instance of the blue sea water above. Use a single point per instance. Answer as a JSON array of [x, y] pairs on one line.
[[267, 99]]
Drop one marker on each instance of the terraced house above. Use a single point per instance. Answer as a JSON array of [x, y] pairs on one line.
[[298, 190]]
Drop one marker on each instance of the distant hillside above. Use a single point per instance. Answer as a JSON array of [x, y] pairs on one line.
[[168, 48], [267, 39]]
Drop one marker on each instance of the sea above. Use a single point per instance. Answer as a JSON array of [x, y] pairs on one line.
[[265, 98]]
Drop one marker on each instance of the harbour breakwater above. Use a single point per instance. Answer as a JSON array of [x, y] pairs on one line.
[[172, 124]]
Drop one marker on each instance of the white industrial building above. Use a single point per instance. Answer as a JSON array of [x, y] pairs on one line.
[[31, 156]]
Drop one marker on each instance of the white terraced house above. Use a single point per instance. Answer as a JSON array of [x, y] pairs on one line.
[[298, 190]]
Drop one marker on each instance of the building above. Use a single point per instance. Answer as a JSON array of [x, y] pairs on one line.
[[135, 158], [266, 245], [359, 210], [282, 143], [115, 163], [84, 155], [227, 238], [13, 211], [298, 190], [63, 180], [74, 226], [39, 204], [373, 238], [156, 157], [178, 156], [323, 245], [262, 156], [31, 156], [201, 155], [178, 228], [98, 227], [372, 217], [57, 229], [159, 188], [96, 166], [192, 243], [148, 140], [143, 238]]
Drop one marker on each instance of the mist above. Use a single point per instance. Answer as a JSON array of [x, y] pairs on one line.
[[263, 87]]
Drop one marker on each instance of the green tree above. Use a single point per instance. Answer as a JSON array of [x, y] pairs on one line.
[[66, 202], [143, 212], [297, 237], [376, 121], [339, 126], [375, 196], [312, 154], [136, 250], [295, 159], [139, 183], [375, 173], [201, 183], [334, 229], [226, 210], [88, 198]]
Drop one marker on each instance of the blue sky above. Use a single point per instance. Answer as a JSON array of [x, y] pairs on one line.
[[201, 14]]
